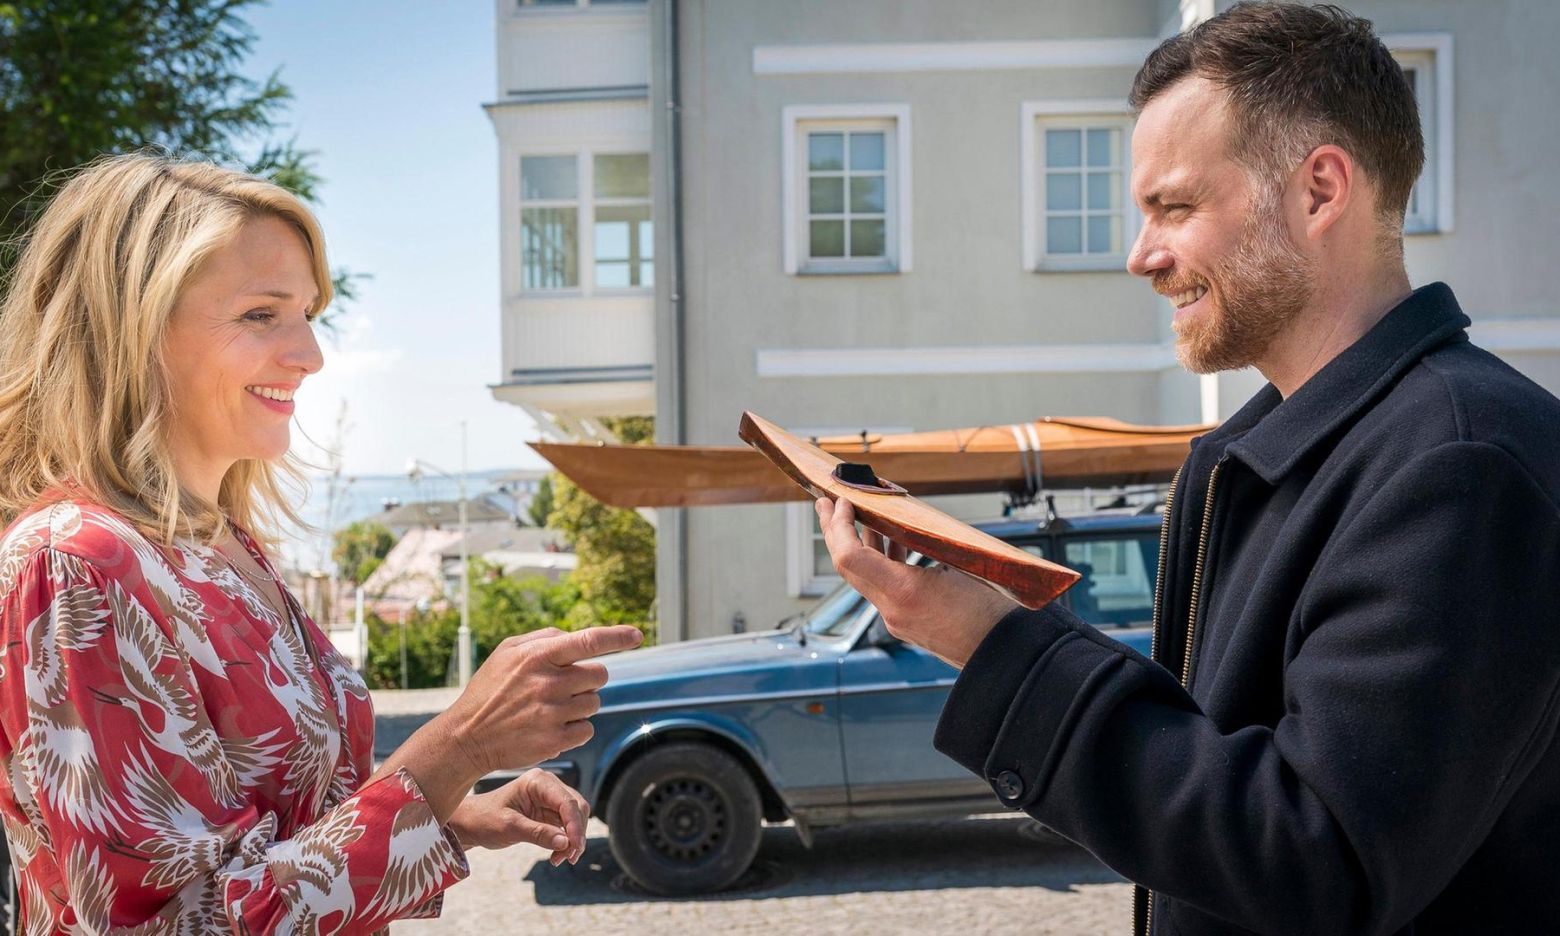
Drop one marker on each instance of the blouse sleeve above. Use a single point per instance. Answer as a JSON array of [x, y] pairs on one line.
[[109, 748]]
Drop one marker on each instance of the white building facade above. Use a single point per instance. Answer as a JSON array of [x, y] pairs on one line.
[[572, 116]]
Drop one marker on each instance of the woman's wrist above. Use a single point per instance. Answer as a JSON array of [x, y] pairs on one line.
[[439, 761]]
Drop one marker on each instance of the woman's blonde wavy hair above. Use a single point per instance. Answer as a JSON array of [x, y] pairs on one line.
[[84, 399]]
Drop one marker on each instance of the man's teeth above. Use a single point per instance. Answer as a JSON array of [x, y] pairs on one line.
[[1188, 297], [271, 393]]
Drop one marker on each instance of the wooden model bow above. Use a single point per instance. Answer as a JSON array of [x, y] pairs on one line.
[[885, 507]]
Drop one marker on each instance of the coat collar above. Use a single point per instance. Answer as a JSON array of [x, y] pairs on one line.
[[1272, 434]]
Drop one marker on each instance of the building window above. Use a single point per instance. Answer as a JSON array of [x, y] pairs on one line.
[[847, 210], [586, 231], [549, 222], [523, 4], [1078, 211], [811, 570], [1085, 202], [1426, 61], [846, 187], [623, 236]]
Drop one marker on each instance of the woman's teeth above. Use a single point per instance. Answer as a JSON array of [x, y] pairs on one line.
[[271, 393], [1190, 296]]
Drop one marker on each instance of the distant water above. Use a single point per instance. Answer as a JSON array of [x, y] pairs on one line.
[[360, 497]]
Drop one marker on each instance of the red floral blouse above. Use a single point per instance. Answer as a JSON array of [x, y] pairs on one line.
[[176, 759]]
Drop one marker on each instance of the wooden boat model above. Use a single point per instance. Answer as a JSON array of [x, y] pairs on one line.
[[884, 506], [1020, 459]]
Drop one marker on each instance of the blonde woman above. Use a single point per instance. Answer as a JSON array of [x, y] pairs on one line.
[[182, 748]]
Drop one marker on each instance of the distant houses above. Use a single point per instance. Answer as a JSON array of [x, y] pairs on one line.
[[423, 569]]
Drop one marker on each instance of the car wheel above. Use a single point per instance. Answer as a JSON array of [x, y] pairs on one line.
[[684, 819]]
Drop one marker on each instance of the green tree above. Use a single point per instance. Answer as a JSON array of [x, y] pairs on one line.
[[615, 547], [79, 80], [500, 607], [430, 640], [541, 505], [359, 549]]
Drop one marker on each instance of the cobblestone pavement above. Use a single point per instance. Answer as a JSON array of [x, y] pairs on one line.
[[982, 875]]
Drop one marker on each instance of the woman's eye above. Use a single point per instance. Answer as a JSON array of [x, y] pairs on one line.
[[259, 315]]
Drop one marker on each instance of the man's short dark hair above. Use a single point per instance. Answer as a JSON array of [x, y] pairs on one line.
[[1298, 77]]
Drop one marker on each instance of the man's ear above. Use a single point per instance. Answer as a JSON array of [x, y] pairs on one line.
[[1328, 181]]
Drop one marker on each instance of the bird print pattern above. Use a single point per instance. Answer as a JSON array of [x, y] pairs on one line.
[[176, 757]]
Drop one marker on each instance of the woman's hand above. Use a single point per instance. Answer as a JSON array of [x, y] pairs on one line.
[[529, 702], [532, 698], [535, 807]]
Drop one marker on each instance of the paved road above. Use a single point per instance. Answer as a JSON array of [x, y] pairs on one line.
[[983, 875]]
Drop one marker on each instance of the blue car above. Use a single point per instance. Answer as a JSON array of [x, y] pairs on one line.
[[825, 721]]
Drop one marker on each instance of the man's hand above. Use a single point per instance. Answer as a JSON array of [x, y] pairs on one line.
[[535, 807], [942, 609]]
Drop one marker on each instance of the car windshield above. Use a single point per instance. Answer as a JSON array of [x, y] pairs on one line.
[[834, 614]]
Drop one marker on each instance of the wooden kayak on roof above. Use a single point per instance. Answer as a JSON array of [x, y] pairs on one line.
[[1021, 458], [884, 506]]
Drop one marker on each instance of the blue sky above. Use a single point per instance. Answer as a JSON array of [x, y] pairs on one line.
[[390, 96]]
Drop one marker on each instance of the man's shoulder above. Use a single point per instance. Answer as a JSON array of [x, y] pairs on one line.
[[1467, 394]]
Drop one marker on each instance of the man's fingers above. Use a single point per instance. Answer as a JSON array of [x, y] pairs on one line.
[[592, 642]]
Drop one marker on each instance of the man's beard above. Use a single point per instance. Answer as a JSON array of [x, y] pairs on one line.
[[1255, 293]]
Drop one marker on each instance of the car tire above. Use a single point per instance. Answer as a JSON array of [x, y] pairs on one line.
[[684, 819]]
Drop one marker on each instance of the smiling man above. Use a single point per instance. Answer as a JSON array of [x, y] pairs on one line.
[[1349, 721]]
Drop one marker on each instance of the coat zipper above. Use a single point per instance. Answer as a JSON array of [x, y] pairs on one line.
[[1159, 577], [1191, 619], [1153, 654], [1197, 570]]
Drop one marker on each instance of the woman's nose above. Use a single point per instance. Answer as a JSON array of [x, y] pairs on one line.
[[303, 351]]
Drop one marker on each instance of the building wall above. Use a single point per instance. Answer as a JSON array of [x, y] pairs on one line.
[[968, 287], [571, 81]]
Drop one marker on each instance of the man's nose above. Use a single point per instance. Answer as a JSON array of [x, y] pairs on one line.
[[1147, 256]]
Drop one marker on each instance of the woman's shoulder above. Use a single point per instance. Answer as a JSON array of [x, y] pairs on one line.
[[74, 526]]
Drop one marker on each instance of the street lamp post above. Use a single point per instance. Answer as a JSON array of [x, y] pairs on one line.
[[463, 635]]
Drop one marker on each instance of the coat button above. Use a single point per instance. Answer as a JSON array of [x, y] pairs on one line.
[[1010, 785]]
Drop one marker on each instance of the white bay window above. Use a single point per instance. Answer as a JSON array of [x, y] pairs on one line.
[[585, 223]]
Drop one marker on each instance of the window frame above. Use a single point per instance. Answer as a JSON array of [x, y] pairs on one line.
[[585, 220], [1085, 114], [621, 202], [1121, 539], [796, 122], [1430, 55], [577, 202], [533, 8]]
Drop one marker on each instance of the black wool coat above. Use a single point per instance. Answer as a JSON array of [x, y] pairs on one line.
[[1349, 724]]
